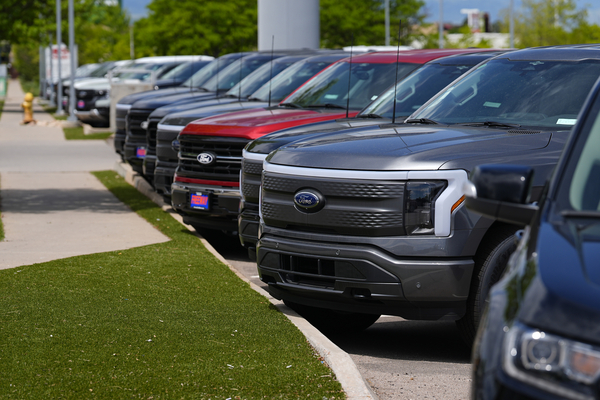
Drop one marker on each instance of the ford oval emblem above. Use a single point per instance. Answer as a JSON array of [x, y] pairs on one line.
[[206, 158], [308, 201]]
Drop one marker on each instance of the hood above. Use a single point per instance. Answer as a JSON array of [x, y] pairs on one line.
[[132, 98], [565, 295], [198, 110], [95, 83], [184, 106], [153, 103], [252, 124], [273, 141], [414, 147]]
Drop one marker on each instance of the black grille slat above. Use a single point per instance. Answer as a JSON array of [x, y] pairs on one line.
[[339, 188], [252, 167], [151, 137], [134, 121]]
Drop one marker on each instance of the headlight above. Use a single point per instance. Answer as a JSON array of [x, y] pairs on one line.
[[551, 363], [419, 200]]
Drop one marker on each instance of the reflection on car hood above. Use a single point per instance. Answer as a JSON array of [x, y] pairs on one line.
[[273, 141], [565, 297], [181, 107], [206, 109], [132, 98], [252, 124], [153, 103], [411, 147]]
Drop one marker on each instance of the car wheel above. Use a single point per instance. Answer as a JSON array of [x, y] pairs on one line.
[[333, 321], [490, 264]]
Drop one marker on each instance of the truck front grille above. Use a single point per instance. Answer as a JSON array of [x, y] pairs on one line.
[[134, 121], [228, 152], [251, 174], [357, 207]]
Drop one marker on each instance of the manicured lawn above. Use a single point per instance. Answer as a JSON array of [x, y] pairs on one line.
[[77, 134], [154, 322]]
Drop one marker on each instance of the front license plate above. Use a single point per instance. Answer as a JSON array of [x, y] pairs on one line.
[[140, 152], [80, 104], [199, 201]]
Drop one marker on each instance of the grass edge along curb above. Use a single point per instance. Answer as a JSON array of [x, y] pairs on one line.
[[163, 321], [77, 134]]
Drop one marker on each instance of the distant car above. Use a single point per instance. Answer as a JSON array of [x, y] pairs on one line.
[[540, 335]]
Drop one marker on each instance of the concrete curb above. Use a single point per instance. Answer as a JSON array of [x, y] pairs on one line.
[[339, 361]]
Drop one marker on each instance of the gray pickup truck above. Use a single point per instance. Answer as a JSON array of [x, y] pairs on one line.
[[355, 224]]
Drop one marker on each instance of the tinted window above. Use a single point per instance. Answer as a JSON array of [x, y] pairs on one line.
[[531, 93]]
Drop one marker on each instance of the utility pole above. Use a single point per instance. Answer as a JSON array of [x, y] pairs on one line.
[[511, 24], [131, 44], [59, 91], [441, 26], [387, 22], [72, 117]]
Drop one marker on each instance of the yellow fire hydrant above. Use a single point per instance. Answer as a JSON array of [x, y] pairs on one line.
[[28, 109]]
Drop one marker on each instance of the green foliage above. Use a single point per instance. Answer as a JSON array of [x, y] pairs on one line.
[[212, 27], [551, 22], [365, 20], [27, 57], [22, 20], [159, 321], [77, 134]]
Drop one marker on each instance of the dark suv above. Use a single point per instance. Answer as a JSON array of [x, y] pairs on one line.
[[539, 338], [362, 223]]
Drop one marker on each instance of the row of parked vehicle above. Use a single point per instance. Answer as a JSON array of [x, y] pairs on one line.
[[347, 179]]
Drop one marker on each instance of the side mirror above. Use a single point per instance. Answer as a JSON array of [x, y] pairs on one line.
[[501, 192]]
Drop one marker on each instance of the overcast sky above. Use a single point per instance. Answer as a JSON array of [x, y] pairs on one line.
[[137, 8]]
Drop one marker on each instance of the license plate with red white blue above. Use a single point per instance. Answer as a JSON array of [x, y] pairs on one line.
[[199, 201], [80, 104], [140, 152]]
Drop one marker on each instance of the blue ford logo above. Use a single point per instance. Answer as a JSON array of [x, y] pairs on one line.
[[206, 158], [308, 201]]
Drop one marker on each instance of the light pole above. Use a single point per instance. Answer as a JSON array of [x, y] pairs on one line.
[[511, 24], [72, 117], [59, 91], [441, 27], [387, 22]]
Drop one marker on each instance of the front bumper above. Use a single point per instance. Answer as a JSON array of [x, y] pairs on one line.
[[134, 152], [357, 277], [223, 205], [163, 177], [148, 167], [93, 116], [248, 223]]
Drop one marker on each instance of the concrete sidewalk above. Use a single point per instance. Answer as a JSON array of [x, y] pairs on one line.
[[52, 207]]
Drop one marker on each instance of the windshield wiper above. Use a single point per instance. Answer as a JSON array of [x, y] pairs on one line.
[[254, 99], [369, 116], [491, 124], [326, 105], [580, 214], [291, 105], [203, 89], [422, 121]]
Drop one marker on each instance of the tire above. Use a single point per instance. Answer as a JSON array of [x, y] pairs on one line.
[[490, 264], [332, 321]]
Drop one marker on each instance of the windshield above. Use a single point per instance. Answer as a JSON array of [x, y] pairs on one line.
[[330, 88], [544, 94], [289, 80], [262, 75], [236, 71], [210, 70], [185, 70], [413, 91]]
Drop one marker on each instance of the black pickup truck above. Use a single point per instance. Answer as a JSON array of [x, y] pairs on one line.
[[357, 224]]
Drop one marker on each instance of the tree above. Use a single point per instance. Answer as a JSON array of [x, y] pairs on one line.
[[552, 22], [341, 20], [212, 27]]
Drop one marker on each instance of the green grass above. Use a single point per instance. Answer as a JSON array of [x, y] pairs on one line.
[[160, 321], [77, 134]]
